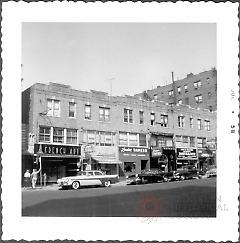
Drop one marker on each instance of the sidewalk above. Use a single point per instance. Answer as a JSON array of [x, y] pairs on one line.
[[122, 182]]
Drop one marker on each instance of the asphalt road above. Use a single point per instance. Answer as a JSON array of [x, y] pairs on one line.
[[192, 198]]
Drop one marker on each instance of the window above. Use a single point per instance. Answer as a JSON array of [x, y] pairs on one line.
[[128, 116], [72, 109], [123, 140], [104, 114], [153, 141], [201, 142], [72, 136], [199, 122], [44, 134], [181, 121], [58, 135], [187, 101], [108, 139], [133, 139], [185, 141], [207, 125], [170, 92], [53, 107], [191, 122], [142, 139], [141, 121], [164, 120], [88, 112], [197, 84], [198, 99], [179, 90], [185, 88], [210, 108], [178, 140], [192, 141], [152, 119], [155, 97], [161, 141], [180, 102]]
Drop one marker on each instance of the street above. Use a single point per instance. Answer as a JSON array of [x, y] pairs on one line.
[[191, 198]]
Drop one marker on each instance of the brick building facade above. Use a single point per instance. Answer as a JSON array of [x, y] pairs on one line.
[[198, 90], [71, 130]]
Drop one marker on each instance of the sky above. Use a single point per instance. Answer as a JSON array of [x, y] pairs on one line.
[[118, 58]]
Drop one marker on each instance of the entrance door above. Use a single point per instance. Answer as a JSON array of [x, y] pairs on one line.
[[143, 165]]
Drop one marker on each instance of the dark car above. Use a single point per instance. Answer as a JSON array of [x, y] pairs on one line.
[[171, 176], [188, 172], [151, 176]]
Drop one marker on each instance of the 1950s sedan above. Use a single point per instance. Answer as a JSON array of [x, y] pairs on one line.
[[87, 178]]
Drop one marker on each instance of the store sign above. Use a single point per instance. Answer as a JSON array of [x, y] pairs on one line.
[[157, 152], [56, 149], [186, 153], [134, 151], [89, 148], [105, 152]]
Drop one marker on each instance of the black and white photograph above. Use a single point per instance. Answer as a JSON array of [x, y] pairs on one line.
[[123, 122]]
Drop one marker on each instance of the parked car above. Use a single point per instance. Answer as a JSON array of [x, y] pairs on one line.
[[87, 178], [188, 172], [171, 176], [133, 179], [151, 176], [211, 172]]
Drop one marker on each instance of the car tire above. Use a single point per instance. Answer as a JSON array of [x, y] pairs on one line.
[[75, 185], [107, 183]]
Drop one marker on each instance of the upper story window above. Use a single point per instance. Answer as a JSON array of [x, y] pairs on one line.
[[198, 99], [201, 142], [152, 119], [123, 138], [170, 92], [142, 139], [178, 140], [71, 136], [197, 84], [192, 141], [104, 114], [58, 135], [44, 134], [191, 122], [141, 121], [179, 90], [88, 112], [181, 121], [199, 122], [207, 125], [164, 120], [128, 115], [185, 141], [185, 88], [72, 109], [180, 102], [53, 107], [133, 139]]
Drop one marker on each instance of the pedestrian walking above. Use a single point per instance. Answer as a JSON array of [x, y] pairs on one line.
[[34, 177], [27, 178]]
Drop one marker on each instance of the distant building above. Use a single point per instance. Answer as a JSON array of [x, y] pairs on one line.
[[198, 90], [67, 130]]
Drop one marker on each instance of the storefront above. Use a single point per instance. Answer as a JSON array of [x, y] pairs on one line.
[[187, 156], [135, 160], [163, 158], [57, 160], [207, 158], [103, 158]]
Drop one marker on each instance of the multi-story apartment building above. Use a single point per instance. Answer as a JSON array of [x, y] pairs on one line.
[[69, 130], [198, 90]]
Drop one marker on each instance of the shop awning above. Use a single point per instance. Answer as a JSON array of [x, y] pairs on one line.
[[106, 160]]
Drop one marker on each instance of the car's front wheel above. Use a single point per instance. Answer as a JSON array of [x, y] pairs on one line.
[[75, 185], [107, 183]]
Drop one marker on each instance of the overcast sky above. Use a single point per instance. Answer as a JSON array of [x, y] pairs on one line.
[[122, 58]]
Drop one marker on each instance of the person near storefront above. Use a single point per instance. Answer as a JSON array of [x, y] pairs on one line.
[[27, 178], [34, 177]]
